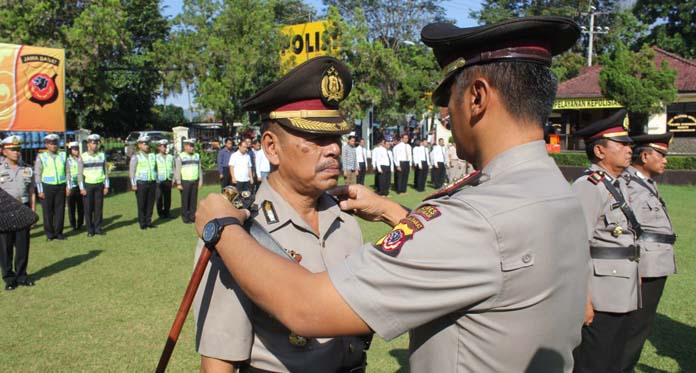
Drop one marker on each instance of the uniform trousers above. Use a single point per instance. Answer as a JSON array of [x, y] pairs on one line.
[[351, 178], [402, 182], [189, 199], [384, 181], [361, 176], [10, 241], [421, 176], [76, 211], [164, 198], [603, 343], [437, 176], [94, 206], [145, 196], [226, 178], [641, 321], [53, 206]]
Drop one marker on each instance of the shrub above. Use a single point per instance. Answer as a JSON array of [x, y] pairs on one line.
[[674, 162]]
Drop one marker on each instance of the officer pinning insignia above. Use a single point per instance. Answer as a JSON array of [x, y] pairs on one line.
[[269, 212], [392, 242]]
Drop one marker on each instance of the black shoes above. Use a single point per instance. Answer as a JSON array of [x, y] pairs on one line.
[[26, 282], [11, 286], [101, 232], [60, 237], [151, 226], [90, 234]]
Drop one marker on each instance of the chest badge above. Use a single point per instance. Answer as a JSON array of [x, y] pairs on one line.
[[269, 212]]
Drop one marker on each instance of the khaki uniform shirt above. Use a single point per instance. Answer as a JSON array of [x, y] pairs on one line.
[[656, 259], [614, 284], [490, 278], [230, 327], [17, 181]]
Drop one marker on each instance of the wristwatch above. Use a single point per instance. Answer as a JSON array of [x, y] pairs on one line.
[[213, 230]]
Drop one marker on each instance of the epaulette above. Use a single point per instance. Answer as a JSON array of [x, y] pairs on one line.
[[471, 180], [595, 177]]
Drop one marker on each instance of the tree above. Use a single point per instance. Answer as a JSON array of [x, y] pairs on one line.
[[633, 80], [674, 24], [165, 117]]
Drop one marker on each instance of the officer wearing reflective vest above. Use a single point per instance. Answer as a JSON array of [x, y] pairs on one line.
[[76, 212], [51, 184], [165, 176], [657, 259], [143, 173], [94, 184], [614, 288], [187, 177]]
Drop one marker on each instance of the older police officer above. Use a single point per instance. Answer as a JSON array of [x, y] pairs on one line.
[[301, 135], [480, 285]]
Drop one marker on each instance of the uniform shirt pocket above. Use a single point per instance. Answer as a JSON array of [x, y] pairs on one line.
[[613, 268], [525, 259]]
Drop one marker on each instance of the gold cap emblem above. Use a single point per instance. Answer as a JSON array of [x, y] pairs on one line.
[[332, 87]]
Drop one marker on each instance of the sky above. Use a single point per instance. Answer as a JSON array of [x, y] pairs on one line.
[[455, 9]]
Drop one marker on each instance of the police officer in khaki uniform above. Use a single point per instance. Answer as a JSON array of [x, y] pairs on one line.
[[51, 184], [612, 228], [480, 284], [294, 208], [16, 180], [188, 178], [656, 242]]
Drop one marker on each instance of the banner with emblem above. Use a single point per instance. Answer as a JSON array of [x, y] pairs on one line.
[[32, 88]]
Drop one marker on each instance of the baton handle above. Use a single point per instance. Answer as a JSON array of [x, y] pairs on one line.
[[184, 309]]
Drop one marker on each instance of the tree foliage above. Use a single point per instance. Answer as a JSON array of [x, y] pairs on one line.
[[674, 24], [632, 79]]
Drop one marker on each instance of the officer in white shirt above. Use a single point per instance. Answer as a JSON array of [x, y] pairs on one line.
[[421, 162], [240, 168], [381, 163], [403, 159], [438, 157], [361, 157]]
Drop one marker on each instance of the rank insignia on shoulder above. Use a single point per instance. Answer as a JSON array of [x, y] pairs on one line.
[[471, 180], [392, 242], [27, 172], [428, 212], [595, 177], [269, 212]]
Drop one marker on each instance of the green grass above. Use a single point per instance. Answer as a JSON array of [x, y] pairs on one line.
[[107, 303]]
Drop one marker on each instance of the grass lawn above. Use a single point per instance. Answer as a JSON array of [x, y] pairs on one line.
[[106, 303]]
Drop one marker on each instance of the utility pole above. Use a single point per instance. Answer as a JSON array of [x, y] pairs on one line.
[[592, 12]]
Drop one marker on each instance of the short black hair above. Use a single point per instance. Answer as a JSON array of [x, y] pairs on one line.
[[589, 149], [229, 139], [527, 90], [351, 137], [637, 152]]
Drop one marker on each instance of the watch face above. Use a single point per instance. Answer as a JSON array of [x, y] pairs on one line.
[[209, 231]]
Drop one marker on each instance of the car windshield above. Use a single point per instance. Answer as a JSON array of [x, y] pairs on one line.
[[133, 136]]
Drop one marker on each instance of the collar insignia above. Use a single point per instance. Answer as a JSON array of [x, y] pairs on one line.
[[269, 212]]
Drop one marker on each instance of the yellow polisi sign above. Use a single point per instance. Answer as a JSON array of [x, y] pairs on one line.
[[304, 41]]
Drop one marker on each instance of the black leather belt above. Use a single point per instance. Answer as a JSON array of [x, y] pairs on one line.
[[669, 239], [627, 252]]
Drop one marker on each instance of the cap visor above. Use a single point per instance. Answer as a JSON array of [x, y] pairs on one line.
[[623, 139]]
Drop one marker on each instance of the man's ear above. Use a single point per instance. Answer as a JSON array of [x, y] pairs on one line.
[[598, 151], [480, 91], [271, 146]]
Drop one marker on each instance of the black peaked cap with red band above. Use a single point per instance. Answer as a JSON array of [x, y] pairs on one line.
[[611, 128], [307, 97], [529, 39], [658, 142]]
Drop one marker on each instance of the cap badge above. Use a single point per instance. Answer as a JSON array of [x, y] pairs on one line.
[[332, 88], [454, 65], [625, 122], [15, 140]]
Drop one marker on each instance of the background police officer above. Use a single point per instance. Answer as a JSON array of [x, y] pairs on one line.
[[94, 184], [188, 179], [16, 180], [76, 213], [657, 259], [51, 183], [611, 226], [143, 175], [165, 177]]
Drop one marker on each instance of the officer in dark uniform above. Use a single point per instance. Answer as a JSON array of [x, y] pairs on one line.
[[16, 181], [614, 289], [656, 243], [51, 184], [143, 174], [76, 211]]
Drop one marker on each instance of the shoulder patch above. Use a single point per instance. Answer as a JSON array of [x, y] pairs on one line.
[[27, 172], [595, 177], [428, 212], [269, 212], [471, 180], [392, 242]]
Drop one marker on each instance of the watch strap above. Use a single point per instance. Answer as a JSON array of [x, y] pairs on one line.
[[228, 220]]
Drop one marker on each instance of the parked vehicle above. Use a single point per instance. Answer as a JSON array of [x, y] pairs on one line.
[[154, 136]]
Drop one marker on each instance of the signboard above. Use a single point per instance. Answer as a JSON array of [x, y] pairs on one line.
[[584, 103], [32, 88], [682, 123], [304, 41]]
